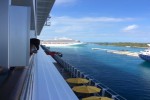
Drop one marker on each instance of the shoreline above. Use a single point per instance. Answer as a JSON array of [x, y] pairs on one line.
[[124, 44]]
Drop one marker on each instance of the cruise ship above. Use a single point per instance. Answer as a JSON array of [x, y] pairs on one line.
[[26, 76], [61, 42], [33, 76], [145, 55]]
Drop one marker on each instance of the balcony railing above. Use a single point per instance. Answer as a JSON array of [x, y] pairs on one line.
[[43, 81]]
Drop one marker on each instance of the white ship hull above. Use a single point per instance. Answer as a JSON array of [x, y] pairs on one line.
[[145, 55], [61, 44]]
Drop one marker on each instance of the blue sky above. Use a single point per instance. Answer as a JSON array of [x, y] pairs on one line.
[[100, 20]]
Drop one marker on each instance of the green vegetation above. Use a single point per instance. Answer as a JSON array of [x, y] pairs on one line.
[[125, 44]]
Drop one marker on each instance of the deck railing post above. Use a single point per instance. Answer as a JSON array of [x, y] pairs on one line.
[[74, 72], [77, 74], [113, 97], [71, 71], [69, 68], [81, 73], [103, 91], [90, 81], [96, 84]]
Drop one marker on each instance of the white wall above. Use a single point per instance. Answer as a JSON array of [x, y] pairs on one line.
[[14, 35], [4, 11], [19, 35]]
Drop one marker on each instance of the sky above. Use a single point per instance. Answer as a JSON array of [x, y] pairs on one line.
[[100, 20]]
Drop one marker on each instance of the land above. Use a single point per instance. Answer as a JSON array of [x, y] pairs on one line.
[[127, 44]]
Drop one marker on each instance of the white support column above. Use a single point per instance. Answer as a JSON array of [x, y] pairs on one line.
[[19, 35], [14, 34], [4, 26]]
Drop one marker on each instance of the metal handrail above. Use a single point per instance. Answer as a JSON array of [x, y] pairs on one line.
[[77, 73], [28, 85]]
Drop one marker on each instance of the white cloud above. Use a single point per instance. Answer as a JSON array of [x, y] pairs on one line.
[[70, 26], [105, 19], [60, 2], [130, 28], [91, 19], [66, 24]]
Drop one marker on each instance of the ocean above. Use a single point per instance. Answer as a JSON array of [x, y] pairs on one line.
[[127, 75]]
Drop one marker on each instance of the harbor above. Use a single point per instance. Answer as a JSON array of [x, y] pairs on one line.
[[131, 75], [33, 66]]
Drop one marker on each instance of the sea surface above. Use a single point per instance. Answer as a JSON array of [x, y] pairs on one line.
[[127, 75]]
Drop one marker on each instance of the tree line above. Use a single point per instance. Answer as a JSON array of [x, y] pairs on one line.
[[124, 44]]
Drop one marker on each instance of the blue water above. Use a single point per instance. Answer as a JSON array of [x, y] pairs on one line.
[[128, 76]]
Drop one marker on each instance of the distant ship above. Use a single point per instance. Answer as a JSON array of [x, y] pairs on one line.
[[145, 55], [61, 42]]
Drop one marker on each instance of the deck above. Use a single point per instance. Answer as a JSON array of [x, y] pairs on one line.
[[48, 84]]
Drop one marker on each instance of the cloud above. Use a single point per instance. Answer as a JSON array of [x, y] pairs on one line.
[[83, 26], [130, 28], [92, 19], [105, 19], [61, 2], [65, 24]]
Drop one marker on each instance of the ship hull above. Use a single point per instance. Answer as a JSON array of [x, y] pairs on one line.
[[145, 57], [62, 45]]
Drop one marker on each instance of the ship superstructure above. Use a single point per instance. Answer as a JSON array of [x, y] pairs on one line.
[[31, 77], [24, 76], [61, 42]]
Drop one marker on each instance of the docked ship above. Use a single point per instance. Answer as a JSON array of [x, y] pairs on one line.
[[145, 55], [25, 76], [61, 42]]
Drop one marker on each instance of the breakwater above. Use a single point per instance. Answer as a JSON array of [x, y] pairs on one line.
[[121, 52], [135, 54]]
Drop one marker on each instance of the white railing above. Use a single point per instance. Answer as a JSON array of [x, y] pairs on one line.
[[44, 82], [28, 85]]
